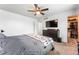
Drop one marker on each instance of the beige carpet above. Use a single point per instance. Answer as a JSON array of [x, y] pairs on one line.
[[64, 49]]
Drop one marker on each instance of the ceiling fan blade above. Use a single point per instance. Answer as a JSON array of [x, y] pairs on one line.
[[45, 9], [36, 5], [42, 13], [30, 10]]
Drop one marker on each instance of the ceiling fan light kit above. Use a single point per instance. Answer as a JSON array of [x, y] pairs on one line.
[[38, 12]]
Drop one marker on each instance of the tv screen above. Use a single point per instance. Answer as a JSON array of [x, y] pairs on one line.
[[52, 23]]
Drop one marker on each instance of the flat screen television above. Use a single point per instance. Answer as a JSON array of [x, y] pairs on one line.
[[53, 23]]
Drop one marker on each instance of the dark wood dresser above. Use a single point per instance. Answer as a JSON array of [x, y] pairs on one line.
[[53, 33]]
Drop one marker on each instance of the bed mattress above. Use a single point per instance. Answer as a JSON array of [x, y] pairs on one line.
[[25, 45]]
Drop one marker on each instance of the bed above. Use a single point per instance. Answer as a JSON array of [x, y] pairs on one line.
[[25, 45]]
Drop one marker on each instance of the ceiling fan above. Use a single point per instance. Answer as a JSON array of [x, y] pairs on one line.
[[38, 10]]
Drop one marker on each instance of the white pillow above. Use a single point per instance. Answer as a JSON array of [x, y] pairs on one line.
[[2, 36]]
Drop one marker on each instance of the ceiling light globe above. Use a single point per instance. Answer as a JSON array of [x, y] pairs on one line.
[[37, 12]]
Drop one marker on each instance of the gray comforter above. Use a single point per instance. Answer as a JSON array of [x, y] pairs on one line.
[[22, 45]]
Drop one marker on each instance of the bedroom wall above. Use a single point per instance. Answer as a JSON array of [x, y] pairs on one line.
[[77, 10], [62, 23], [15, 24]]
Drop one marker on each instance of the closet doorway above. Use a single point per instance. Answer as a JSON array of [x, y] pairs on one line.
[[73, 30]]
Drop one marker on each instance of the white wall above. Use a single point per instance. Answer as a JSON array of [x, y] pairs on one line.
[[77, 10], [15, 24], [62, 23]]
